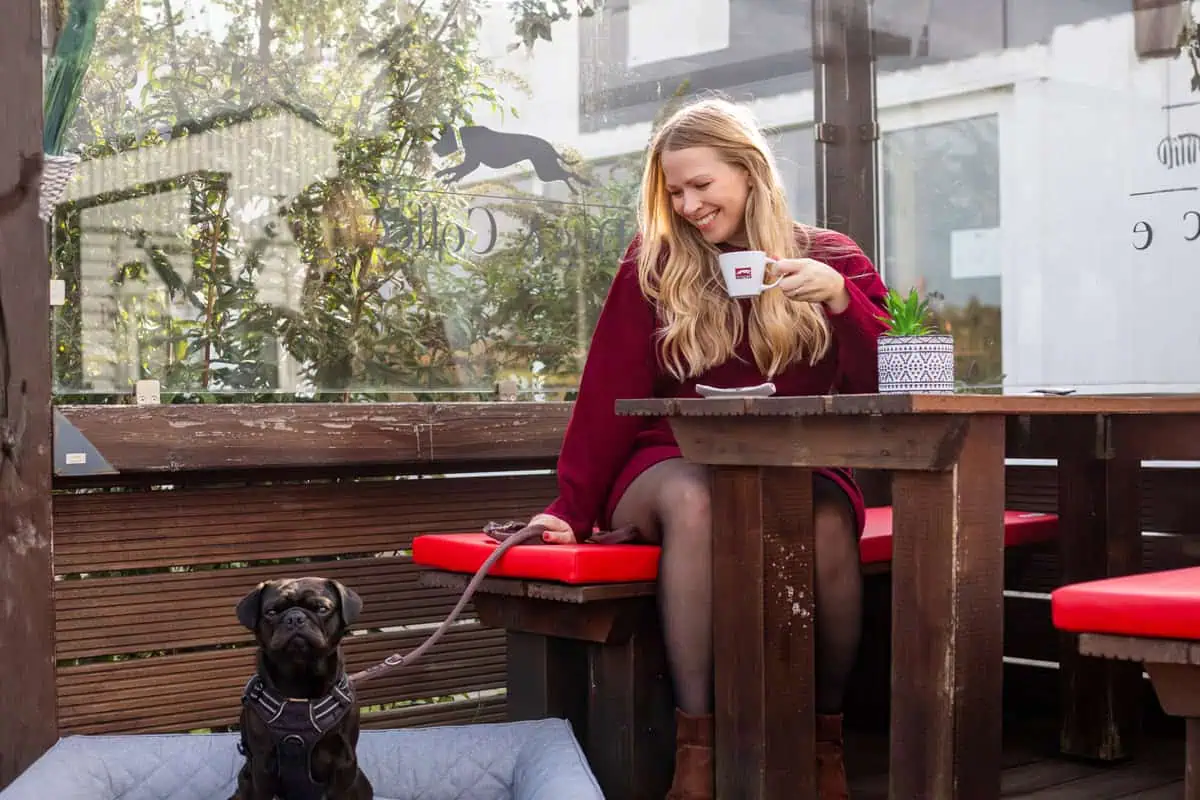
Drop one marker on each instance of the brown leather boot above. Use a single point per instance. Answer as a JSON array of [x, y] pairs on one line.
[[693, 758], [831, 764]]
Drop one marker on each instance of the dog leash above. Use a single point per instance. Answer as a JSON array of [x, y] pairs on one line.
[[395, 660]]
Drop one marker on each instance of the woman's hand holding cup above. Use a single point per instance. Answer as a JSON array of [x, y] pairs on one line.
[[812, 281], [804, 279]]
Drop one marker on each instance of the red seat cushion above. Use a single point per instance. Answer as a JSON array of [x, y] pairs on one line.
[[566, 563], [628, 563], [1020, 527], [1162, 605]]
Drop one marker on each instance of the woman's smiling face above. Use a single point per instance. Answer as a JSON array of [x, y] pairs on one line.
[[707, 193]]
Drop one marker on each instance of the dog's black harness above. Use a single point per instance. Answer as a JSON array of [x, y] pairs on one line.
[[295, 727]]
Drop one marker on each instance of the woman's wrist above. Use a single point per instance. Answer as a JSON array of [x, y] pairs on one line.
[[840, 301]]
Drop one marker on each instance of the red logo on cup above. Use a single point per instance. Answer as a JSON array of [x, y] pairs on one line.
[[742, 273]]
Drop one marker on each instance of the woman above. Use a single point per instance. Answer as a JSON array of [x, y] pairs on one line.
[[711, 185]]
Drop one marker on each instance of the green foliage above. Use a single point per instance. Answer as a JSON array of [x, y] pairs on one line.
[[66, 69], [536, 298], [379, 307], [907, 315], [532, 19]]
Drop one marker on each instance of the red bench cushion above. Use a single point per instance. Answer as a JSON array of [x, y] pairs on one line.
[[1162, 605], [566, 563], [1020, 527], [591, 563]]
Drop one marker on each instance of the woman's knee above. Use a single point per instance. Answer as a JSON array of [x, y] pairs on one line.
[[671, 494], [835, 531], [684, 501]]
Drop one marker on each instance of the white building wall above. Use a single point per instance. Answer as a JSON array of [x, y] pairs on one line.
[[1080, 121]]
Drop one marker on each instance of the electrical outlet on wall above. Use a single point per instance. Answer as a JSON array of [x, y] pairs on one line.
[[147, 393], [58, 293]]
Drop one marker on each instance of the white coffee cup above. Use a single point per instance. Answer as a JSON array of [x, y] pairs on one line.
[[743, 272]]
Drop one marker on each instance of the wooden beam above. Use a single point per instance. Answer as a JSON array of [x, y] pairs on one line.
[[885, 404], [192, 438], [195, 439], [845, 129], [1098, 508], [28, 713], [947, 624], [764, 626], [927, 442], [1156, 27], [491, 432]]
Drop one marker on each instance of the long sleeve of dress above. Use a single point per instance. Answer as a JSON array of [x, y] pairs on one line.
[[857, 329], [621, 364]]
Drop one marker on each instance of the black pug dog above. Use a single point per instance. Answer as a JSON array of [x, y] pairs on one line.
[[299, 720]]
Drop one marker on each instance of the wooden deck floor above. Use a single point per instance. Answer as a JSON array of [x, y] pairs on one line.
[[1032, 773]]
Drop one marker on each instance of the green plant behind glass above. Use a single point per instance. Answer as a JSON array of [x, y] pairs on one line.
[[66, 70]]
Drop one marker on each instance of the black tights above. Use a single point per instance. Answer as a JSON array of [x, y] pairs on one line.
[[670, 503]]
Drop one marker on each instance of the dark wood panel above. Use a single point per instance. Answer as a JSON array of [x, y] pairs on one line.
[[947, 628], [153, 529], [888, 404], [125, 615], [235, 441], [129, 695], [494, 433], [923, 443], [1170, 496], [183, 437], [356, 531], [175, 438], [472, 711], [27, 721]]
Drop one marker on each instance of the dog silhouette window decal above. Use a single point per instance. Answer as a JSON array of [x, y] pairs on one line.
[[482, 146]]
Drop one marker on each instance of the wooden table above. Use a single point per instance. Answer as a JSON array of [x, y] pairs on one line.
[[946, 454]]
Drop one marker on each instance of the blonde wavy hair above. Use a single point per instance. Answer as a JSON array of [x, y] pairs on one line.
[[678, 269]]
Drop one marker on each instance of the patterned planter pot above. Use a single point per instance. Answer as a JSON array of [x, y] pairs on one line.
[[56, 172], [923, 364]]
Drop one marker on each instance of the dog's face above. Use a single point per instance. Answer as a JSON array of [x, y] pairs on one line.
[[299, 619]]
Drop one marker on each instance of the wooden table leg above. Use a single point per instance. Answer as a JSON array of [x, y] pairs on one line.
[[1098, 507], [763, 633], [947, 624], [546, 676], [1191, 766], [630, 734]]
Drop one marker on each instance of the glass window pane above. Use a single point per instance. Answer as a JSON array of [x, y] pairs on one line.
[[1039, 173], [378, 198], [941, 203]]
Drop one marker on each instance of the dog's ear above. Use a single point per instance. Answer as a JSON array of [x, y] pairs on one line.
[[250, 607], [349, 601]]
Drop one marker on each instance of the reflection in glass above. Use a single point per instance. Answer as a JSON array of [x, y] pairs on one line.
[[941, 211], [261, 209], [357, 199]]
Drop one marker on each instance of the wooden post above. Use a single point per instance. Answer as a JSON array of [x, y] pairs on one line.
[[845, 130], [1099, 505], [764, 732], [947, 623], [28, 714]]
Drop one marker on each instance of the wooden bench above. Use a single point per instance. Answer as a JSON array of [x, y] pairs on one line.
[[583, 638], [1152, 618]]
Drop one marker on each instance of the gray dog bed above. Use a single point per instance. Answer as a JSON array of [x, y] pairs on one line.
[[538, 760]]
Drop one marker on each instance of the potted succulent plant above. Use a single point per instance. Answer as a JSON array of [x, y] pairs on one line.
[[913, 356]]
